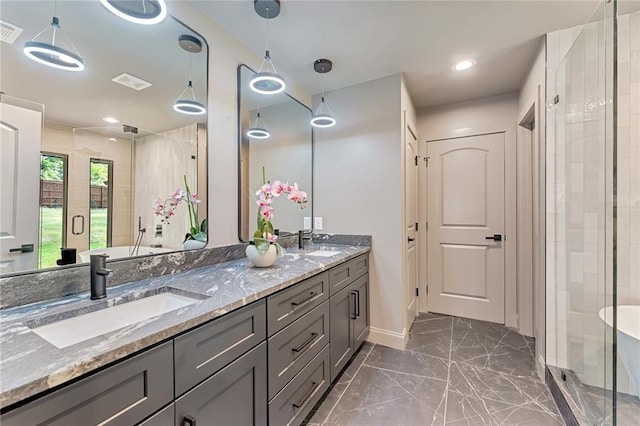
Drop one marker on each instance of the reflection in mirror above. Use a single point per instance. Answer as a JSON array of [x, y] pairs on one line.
[[84, 186], [286, 154]]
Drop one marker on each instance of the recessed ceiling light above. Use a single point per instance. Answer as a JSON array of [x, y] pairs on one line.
[[110, 120], [464, 65]]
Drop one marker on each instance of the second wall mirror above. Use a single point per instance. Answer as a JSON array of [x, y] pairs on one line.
[[283, 145]]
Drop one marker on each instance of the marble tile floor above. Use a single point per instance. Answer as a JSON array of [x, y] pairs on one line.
[[454, 371]]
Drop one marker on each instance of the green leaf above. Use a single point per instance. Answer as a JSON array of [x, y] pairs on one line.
[[200, 236], [205, 226], [262, 245]]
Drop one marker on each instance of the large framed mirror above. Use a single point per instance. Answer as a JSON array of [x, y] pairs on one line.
[[286, 154], [107, 149]]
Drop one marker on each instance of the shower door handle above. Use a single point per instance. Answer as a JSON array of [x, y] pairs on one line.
[[73, 225]]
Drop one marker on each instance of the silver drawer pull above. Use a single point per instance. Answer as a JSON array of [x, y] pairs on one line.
[[314, 385], [306, 343], [305, 300]]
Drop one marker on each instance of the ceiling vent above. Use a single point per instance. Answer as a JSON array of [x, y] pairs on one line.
[[9, 32], [131, 81]]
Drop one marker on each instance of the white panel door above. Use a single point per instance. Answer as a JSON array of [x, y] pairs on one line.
[[411, 220], [466, 211], [21, 130]]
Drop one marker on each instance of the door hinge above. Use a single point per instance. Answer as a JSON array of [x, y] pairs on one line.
[[426, 161], [416, 226], [427, 290], [556, 99], [415, 159], [426, 228], [417, 291]]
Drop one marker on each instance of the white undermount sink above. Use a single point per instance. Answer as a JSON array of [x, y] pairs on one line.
[[83, 327], [323, 253]]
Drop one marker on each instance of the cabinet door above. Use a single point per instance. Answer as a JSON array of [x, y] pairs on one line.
[[297, 399], [342, 309], [205, 350], [236, 395], [123, 394], [292, 348], [288, 305], [361, 322]]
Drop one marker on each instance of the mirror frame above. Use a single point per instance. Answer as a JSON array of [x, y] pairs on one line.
[[239, 146], [198, 172]]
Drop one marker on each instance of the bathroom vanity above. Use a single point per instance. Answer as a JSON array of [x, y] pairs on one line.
[[253, 347]]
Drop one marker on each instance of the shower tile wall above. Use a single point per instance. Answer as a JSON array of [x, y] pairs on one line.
[[161, 160], [575, 188]]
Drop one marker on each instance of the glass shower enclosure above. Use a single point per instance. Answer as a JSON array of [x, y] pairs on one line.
[[593, 206]]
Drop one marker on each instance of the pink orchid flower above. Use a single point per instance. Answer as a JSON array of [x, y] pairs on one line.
[[178, 195], [194, 199]]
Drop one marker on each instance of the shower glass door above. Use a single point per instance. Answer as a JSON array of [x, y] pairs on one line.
[[582, 284]]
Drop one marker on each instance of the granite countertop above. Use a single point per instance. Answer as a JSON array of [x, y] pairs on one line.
[[30, 365]]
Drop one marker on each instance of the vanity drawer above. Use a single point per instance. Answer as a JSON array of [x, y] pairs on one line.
[[205, 350], [293, 347], [340, 276], [302, 393], [288, 305], [120, 395]]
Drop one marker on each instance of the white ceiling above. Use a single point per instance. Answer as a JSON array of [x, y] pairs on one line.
[[371, 39]]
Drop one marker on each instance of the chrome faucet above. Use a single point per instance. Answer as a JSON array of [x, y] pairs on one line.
[[303, 235], [99, 275]]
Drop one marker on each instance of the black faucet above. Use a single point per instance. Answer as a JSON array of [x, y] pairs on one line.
[[303, 235], [99, 274]]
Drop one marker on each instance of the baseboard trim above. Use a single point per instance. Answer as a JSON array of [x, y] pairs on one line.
[[388, 338]]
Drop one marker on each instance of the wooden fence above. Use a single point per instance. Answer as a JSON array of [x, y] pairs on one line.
[[52, 194]]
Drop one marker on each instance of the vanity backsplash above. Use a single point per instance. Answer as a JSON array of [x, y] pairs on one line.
[[37, 286]]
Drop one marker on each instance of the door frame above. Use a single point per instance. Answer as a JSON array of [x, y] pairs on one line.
[[533, 110], [409, 126], [488, 115]]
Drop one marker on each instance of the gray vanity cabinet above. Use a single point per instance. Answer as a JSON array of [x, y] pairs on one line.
[[349, 321], [123, 394], [236, 395]]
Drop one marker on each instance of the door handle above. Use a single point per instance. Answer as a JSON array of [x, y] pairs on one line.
[[495, 237], [357, 303], [353, 299], [305, 300], [25, 248], [306, 343], [73, 225], [411, 239], [314, 385]]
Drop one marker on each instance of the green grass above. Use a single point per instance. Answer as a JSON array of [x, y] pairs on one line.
[[51, 233], [98, 228]]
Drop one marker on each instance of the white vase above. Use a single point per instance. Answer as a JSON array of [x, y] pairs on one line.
[[262, 260], [193, 244]]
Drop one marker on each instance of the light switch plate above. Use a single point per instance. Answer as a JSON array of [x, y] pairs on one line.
[[317, 225], [307, 222]]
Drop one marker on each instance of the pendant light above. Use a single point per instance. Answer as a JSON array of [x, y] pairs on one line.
[[143, 12], [51, 55], [323, 116], [259, 129], [189, 106], [267, 81]]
